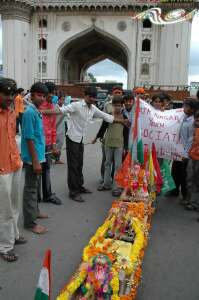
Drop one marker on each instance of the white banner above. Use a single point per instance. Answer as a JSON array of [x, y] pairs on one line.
[[162, 128]]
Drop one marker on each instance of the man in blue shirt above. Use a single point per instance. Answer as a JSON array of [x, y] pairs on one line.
[[33, 155]]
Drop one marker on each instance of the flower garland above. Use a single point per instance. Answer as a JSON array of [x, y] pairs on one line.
[[140, 215], [115, 285], [137, 246], [91, 250], [73, 285]]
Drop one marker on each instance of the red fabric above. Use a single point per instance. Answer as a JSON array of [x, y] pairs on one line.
[[137, 112], [49, 123]]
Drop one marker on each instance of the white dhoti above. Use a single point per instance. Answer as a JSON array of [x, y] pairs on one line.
[[10, 204]]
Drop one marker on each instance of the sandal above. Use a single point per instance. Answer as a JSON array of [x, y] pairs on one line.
[[20, 241], [116, 193], [10, 256], [103, 188], [184, 202], [190, 207]]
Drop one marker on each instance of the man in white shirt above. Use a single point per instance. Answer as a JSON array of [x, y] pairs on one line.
[[81, 113]]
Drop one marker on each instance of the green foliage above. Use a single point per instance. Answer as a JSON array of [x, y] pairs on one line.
[[92, 77]]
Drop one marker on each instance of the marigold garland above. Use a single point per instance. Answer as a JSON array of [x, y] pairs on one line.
[[115, 285], [73, 285], [140, 214]]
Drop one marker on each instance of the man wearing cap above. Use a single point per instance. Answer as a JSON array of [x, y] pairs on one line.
[[10, 173], [139, 92], [81, 113], [33, 155]]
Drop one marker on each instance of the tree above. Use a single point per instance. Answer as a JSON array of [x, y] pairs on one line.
[[92, 77]]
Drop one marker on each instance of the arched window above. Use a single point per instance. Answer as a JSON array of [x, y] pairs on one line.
[[145, 69], [44, 67], [147, 23], [42, 44], [146, 45], [43, 23]]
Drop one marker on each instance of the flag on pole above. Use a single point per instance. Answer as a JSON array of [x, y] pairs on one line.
[[146, 157], [157, 172], [152, 183], [44, 284], [137, 146]]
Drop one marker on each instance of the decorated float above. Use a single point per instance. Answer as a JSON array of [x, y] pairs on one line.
[[111, 266]]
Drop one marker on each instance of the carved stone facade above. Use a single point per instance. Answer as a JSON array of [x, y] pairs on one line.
[[63, 38], [15, 10]]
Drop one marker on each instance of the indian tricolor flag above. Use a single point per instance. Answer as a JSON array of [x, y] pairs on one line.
[[137, 143], [43, 287]]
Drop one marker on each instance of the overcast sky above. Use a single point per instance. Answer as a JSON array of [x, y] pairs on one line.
[[108, 70]]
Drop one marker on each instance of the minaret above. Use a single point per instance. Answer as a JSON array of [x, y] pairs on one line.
[[16, 33]]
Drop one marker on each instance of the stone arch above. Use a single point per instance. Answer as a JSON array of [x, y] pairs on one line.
[[87, 48], [94, 61]]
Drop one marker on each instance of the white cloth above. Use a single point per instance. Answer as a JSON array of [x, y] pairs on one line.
[[27, 99], [80, 116], [9, 210]]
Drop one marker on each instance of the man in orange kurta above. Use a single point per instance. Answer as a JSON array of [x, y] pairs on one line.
[[10, 174]]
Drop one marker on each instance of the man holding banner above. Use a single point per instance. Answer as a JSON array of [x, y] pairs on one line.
[[172, 133], [179, 168]]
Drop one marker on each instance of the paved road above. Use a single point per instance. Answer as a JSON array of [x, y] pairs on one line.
[[171, 265]]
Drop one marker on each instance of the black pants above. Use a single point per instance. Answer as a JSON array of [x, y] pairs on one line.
[[179, 173], [19, 122], [75, 153], [46, 179]]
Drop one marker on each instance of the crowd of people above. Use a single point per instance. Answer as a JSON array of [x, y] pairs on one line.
[[40, 119]]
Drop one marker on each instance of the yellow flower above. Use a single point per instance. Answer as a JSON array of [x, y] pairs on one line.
[[73, 285], [140, 213], [115, 285]]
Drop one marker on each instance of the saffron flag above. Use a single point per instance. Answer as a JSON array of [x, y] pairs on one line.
[[152, 183], [137, 143], [44, 286], [124, 173]]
